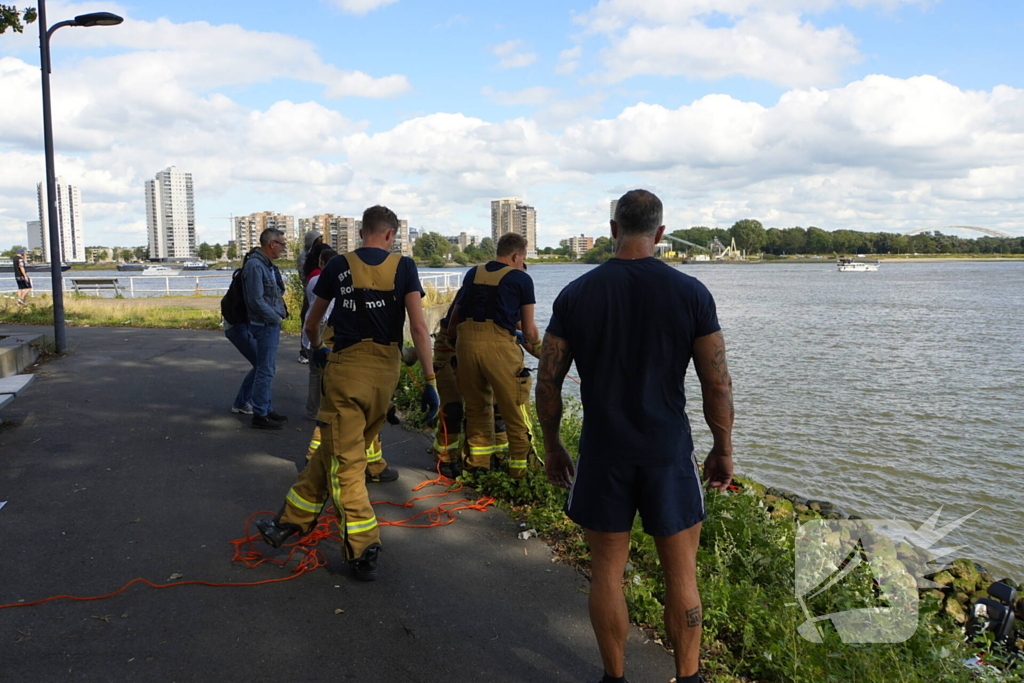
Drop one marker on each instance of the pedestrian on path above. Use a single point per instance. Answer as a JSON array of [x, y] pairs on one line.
[[632, 325], [264, 301], [21, 276]]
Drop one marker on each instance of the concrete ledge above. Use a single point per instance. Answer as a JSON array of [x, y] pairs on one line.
[[19, 351]]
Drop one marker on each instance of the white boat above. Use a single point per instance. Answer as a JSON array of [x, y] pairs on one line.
[[160, 270], [848, 265]]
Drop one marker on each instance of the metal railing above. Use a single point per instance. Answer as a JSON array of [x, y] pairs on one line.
[[142, 286]]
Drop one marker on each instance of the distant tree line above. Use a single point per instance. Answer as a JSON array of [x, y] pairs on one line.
[[753, 238], [436, 250]]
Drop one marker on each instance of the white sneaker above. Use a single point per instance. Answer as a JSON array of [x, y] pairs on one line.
[[244, 410]]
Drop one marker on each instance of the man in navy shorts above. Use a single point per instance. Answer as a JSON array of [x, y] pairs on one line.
[[632, 325]]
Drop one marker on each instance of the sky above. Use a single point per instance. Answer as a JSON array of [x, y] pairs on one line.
[[878, 115]]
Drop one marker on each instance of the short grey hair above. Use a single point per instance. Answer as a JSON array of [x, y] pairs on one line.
[[639, 213], [269, 235]]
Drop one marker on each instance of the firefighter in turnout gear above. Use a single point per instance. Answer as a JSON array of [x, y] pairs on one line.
[[495, 300], [372, 290], [448, 447]]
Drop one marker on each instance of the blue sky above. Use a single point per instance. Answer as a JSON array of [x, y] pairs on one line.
[[863, 114]]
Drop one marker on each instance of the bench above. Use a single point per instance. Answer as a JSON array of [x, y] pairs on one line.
[[96, 284], [11, 386]]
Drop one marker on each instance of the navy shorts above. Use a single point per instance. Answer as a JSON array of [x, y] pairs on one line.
[[23, 284], [606, 496]]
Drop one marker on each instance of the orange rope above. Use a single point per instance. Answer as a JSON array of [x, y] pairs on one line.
[[309, 556]]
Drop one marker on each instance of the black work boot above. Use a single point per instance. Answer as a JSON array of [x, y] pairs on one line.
[[277, 417], [365, 566], [450, 469], [264, 422], [276, 533], [385, 475]]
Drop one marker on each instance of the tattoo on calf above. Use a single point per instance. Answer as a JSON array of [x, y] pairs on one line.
[[694, 617]]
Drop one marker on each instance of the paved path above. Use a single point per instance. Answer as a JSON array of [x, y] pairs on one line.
[[123, 460]]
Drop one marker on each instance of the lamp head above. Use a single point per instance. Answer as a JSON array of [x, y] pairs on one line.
[[98, 19]]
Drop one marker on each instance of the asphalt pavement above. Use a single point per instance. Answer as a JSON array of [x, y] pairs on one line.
[[123, 460]]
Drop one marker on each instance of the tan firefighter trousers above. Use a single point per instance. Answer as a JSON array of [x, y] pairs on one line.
[[358, 384], [448, 442], [491, 372]]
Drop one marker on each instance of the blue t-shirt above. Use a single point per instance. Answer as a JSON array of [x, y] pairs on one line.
[[335, 284], [514, 291], [630, 326]]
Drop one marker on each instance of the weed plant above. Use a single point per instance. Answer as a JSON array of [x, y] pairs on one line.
[[746, 579]]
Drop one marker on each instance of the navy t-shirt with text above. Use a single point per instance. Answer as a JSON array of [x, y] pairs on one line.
[[630, 325], [335, 284], [514, 291]]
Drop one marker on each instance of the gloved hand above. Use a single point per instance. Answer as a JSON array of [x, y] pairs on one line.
[[430, 402], [520, 337], [319, 357]]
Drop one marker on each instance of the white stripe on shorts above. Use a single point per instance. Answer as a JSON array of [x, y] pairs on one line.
[[700, 487], [572, 487]]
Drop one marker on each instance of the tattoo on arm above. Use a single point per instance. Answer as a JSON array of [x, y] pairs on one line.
[[694, 617], [718, 361], [555, 360]]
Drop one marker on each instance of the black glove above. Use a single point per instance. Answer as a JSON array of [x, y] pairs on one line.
[[319, 357]]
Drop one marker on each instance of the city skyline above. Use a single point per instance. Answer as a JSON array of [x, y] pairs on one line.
[[885, 115]]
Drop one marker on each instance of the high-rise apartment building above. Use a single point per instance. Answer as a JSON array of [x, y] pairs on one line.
[[69, 223], [402, 244], [614, 206], [342, 233], [462, 240], [35, 233], [248, 230], [171, 216], [510, 214], [579, 245]]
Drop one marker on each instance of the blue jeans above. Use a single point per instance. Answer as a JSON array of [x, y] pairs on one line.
[[241, 336], [267, 338]]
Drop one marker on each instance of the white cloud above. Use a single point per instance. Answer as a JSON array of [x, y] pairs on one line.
[[361, 6], [535, 95], [510, 56], [762, 39], [568, 60]]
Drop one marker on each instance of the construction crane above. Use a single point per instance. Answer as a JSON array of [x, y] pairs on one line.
[[682, 241], [231, 230]]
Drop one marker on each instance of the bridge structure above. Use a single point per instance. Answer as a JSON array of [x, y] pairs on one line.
[[988, 231]]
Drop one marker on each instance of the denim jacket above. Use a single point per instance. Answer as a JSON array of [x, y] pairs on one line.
[[264, 290]]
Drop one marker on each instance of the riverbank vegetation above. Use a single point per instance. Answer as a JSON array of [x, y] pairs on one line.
[[188, 313], [746, 577]]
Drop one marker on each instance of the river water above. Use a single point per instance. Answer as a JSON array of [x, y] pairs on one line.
[[891, 393]]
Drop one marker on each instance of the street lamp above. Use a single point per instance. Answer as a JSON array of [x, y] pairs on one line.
[[57, 285]]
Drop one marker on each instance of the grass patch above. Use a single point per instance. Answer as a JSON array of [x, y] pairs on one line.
[[746, 579], [97, 312]]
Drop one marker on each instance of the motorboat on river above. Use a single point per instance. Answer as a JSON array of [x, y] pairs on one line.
[[160, 270], [848, 265]]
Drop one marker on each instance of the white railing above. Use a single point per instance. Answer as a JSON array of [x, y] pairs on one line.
[[141, 286], [443, 281]]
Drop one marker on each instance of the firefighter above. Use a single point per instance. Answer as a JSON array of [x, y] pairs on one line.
[[496, 299], [372, 290], [448, 444]]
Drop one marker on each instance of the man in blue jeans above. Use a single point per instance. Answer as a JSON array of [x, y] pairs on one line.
[[263, 291]]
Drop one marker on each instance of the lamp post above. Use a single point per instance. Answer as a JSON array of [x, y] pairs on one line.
[[56, 279]]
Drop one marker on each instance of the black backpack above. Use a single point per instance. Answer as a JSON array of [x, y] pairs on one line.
[[232, 305]]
